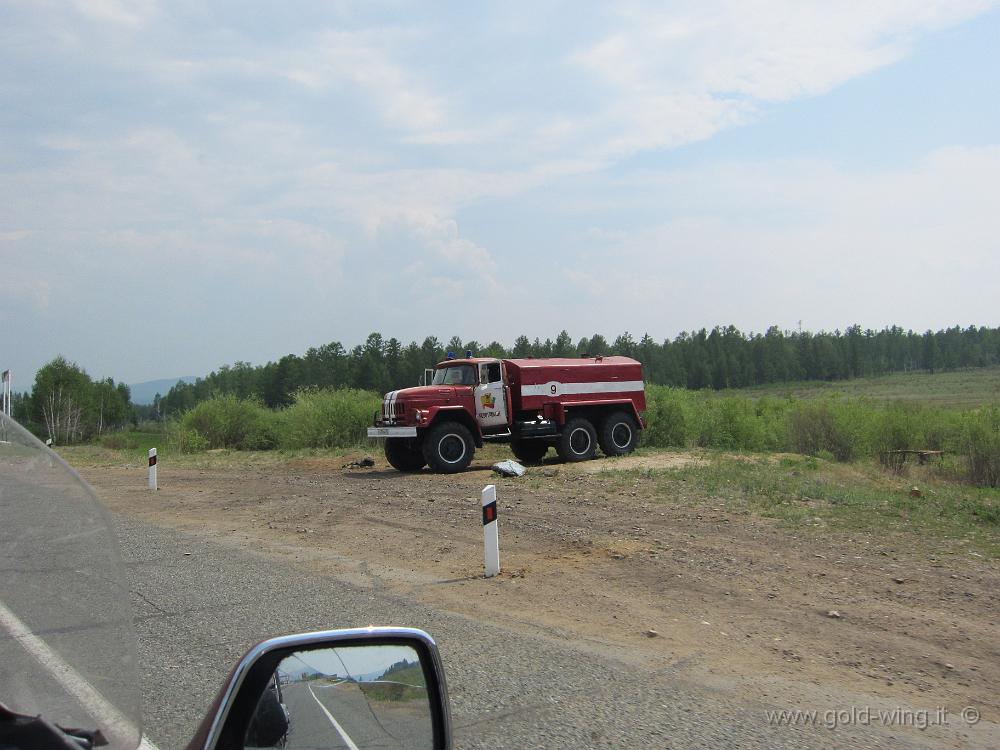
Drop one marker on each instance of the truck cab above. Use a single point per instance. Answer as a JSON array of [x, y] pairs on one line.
[[442, 422], [490, 395]]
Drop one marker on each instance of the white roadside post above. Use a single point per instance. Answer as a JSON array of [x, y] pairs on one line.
[[6, 392], [5, 378], [491, 537], [152, 469]]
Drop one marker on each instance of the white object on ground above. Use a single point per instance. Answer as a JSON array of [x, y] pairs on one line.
[[509, 469]]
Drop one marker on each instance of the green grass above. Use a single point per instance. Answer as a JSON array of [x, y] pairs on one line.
[[135, 441], [961, 389], [410, 675]]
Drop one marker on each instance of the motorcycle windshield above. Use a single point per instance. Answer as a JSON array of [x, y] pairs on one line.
[[67, 643]]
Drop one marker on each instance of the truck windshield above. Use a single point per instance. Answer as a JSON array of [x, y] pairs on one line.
[[456, 375]]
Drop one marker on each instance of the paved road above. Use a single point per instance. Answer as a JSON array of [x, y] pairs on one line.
[[314, 707], [61, 601], [309, 726], [201, 604]]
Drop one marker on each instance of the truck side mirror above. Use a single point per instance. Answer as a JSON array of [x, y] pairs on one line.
[[336, 687]]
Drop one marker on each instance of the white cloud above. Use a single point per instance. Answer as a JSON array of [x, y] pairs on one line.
[[14, 235], [681, 73], [877, 247], [132, 13], [402, 100], [324, 61], [18, 284]]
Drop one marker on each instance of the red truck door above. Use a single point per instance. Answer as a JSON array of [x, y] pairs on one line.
[[491, 400]]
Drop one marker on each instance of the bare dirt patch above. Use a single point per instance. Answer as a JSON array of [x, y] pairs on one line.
[[593, 552], [649, 461]]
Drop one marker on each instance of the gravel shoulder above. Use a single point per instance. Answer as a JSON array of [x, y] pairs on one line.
[[599, 557]]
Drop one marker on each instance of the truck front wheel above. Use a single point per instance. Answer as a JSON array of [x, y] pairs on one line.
[[448, 447], [619, 434], [578, 440], [403, 455]]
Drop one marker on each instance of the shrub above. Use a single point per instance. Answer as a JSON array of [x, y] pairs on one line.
[[731, 423], [228, 422], [980, 443], [328, 418], [117, 441], [668, 416], [898, 427], [678, 418], [809, 424], [833, 426], [773, 416], [186, 441]]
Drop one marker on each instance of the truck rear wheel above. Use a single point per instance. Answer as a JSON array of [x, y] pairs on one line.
[[529, 451], [578, 440], [448, 447], [404, 454], [619, 434]]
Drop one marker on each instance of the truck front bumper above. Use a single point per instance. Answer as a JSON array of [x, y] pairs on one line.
[[392, 432]]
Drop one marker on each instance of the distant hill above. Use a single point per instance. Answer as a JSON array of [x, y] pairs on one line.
[[144, 393]]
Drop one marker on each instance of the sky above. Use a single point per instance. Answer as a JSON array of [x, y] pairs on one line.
[[189, 184], [366, 661]]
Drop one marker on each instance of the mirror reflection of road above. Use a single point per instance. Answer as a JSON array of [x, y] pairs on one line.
[[315, 706]]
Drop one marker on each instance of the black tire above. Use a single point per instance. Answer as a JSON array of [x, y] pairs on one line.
[[529, 451], [578, 440], [448, 447], [404, 454], [619, 434]]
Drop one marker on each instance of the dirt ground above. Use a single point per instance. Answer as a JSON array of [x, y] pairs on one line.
[[747, 603]]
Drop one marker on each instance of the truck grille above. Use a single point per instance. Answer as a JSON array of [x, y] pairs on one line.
[[398, 409]]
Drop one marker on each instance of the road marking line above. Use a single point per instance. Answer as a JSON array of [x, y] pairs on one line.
[[113, 721], [343, 735]]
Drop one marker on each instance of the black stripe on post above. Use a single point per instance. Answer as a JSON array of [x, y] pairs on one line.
[[490, 512], [152, 460]]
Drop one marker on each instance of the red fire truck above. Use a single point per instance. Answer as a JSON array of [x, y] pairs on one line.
[[574, 405]]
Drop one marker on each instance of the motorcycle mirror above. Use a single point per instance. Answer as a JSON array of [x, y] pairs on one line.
[[370, 687]]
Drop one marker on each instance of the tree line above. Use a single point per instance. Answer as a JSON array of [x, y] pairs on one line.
[[67, 406], [721, 358]]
